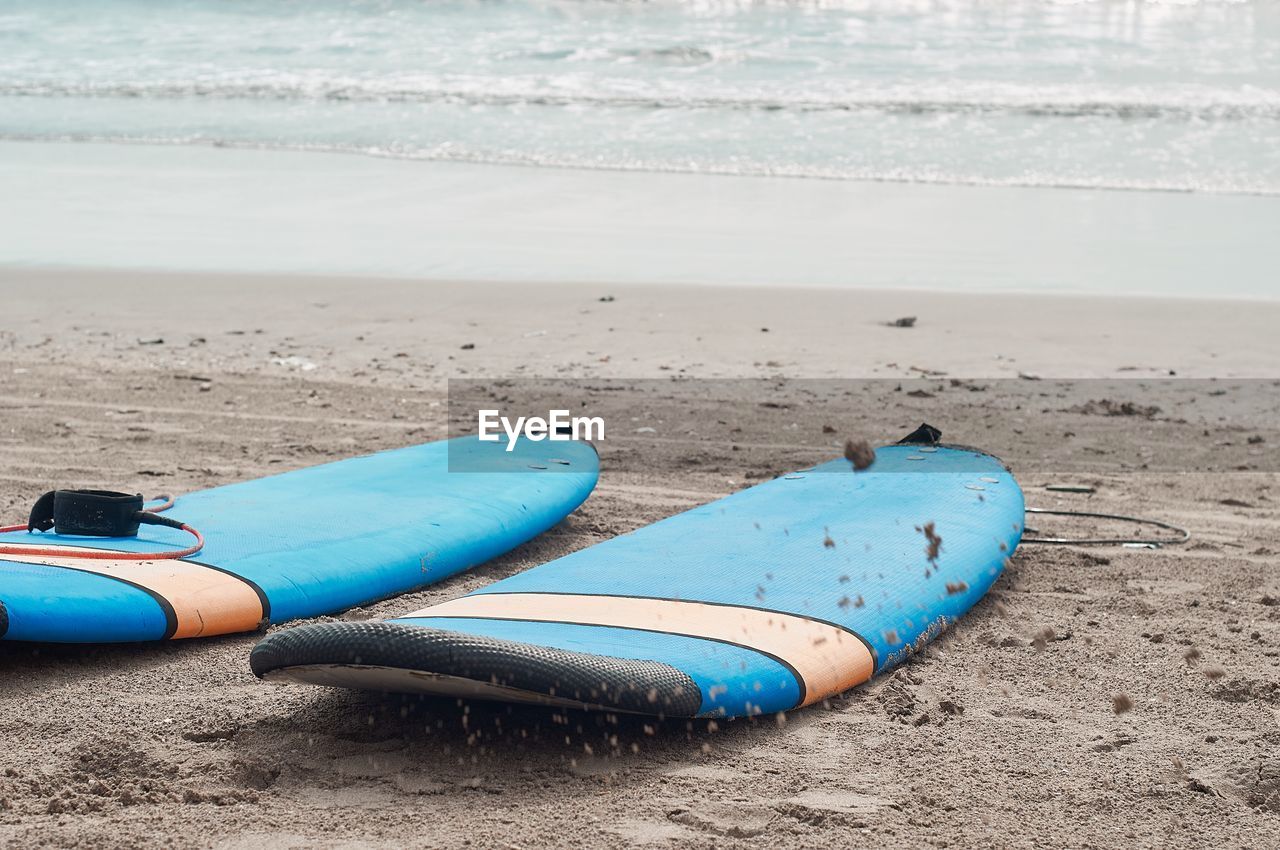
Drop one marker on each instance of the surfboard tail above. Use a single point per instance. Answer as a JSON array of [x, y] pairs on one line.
[[398, 658]]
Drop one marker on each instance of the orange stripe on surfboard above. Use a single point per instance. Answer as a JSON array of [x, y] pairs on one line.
[[828, 659], [204, 601]]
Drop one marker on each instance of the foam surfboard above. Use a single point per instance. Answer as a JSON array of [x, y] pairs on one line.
[[303, 543], [775, 597]]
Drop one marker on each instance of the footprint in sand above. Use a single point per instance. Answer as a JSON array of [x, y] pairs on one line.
[[818, 805], [1255, 783], [735, 820], [640, 833]]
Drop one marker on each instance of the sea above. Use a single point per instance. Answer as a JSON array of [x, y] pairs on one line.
[[1174, 96], [1116, 93]]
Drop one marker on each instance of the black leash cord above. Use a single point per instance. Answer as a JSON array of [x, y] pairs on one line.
[[1184, 535]]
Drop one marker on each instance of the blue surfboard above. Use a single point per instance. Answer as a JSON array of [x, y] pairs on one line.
[[303, 543], [775, 597]]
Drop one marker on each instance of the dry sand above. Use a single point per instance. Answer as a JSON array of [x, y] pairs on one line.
[[1004, 733]]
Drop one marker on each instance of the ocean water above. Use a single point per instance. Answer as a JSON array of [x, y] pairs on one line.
[[1181, 96]]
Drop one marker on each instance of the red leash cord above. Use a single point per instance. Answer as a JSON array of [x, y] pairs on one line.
[[104, 555]]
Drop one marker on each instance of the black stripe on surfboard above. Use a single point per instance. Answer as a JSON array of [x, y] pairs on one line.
[[4, 620], [871, 649], [795, 674]]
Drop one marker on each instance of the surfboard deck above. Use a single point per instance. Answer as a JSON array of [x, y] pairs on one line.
[[775, 597], [300, 544]]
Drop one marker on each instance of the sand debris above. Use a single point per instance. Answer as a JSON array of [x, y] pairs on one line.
[[1042, 638], [1107, 407], [1213, 672], [859, 453], [935, 542]]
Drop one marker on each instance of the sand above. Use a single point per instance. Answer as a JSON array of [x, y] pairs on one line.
[[1098, 697]]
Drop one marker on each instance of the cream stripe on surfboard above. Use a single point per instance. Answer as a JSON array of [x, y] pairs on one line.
[[203, 600], [828, 659]]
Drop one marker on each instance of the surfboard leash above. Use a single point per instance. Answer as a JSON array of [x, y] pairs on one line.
[[1183, 534], [97, 513]]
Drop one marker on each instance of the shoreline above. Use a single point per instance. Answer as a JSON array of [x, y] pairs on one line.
[[374, 153], [151, 206], [56, 270]]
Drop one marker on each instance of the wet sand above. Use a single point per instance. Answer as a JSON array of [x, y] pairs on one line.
[[222, 209], [1004, 733]]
